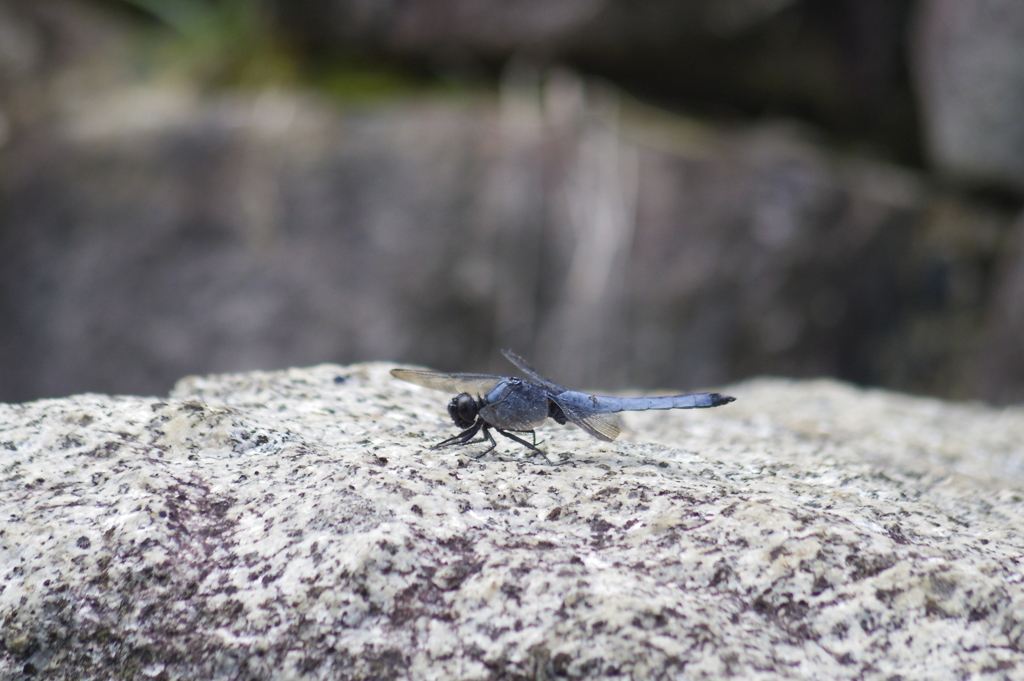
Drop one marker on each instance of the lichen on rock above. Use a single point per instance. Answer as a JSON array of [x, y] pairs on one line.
[[295, 524]]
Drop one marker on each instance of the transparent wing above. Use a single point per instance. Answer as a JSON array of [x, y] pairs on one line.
[[602, 426], [474, 384], [532, 373]]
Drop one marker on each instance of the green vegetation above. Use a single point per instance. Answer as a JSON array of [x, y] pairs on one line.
[[217, 44]]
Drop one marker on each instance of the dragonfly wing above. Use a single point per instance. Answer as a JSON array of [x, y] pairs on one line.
[[532, 373], [602, 426], [474, 384]]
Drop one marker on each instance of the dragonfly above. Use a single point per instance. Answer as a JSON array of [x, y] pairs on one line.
[[512, 405]]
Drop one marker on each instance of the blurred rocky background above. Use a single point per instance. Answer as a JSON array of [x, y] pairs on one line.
[[646, 194]]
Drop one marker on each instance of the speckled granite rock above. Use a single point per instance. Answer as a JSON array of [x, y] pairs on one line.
[[294, 525]]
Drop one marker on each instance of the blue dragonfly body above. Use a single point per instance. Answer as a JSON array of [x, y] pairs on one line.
[[508, 404]]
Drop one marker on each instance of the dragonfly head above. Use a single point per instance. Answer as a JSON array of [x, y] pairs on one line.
[[463, 409]]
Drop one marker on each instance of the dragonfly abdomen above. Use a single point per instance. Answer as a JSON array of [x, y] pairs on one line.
[[603, 404]]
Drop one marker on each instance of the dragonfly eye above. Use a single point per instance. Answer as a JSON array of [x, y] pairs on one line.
[[463, 410]]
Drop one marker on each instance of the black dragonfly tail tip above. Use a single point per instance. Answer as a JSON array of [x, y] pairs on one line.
[[718, 399]]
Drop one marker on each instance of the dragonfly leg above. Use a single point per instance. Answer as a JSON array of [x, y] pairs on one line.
[[465, 436], [490, 437], [462, 438], [520, 440]]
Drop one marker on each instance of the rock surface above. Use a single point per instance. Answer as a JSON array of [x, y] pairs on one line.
[[295, 525]]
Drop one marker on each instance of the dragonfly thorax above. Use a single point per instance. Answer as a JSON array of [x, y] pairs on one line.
[[463, 409]]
